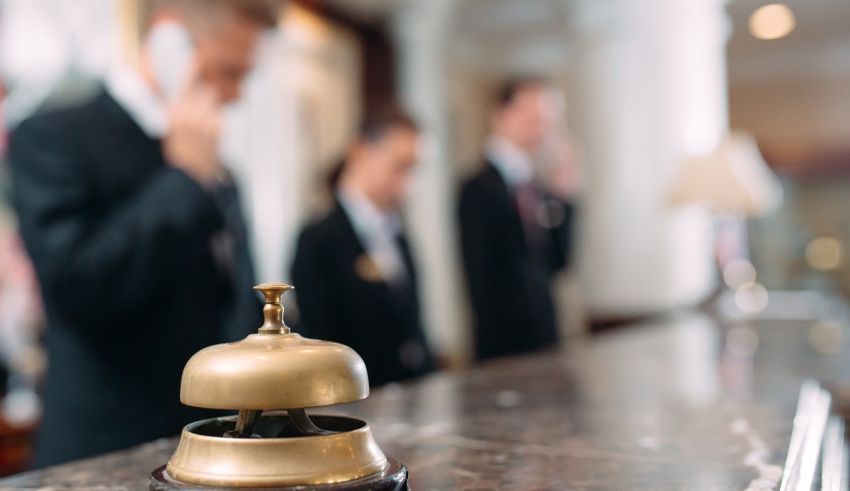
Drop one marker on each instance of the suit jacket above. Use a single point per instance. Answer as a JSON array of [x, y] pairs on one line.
[[509, 283], [342, 298], [121, 243]]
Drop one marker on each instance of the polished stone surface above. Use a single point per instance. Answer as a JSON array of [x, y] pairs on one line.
[[677, 404]]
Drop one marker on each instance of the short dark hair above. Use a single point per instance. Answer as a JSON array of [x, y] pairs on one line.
[[373, 127], [376, 123], [509, 90]]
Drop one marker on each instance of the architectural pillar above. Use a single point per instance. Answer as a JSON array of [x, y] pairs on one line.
[[420, 31], [651, 90]]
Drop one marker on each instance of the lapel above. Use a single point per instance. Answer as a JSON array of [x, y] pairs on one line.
[[407, 257], [503, 195], [113, 135]]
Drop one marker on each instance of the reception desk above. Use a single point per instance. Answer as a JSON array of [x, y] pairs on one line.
[[680, 403]]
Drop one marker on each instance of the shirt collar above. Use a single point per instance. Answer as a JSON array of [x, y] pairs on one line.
[[367, 218], [135, 96], [513, 163]]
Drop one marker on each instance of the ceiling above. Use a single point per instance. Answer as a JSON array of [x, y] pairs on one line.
[[510, 35], [536, 32], [818, 21], [818, 47]]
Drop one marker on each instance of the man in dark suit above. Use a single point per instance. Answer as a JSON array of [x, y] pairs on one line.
[[514, 230], [135, 232], [353, 272]]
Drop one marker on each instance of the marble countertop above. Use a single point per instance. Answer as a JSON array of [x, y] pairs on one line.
[[683, 403]]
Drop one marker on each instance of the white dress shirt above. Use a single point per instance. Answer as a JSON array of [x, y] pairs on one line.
[[512, 163], [378, 231]]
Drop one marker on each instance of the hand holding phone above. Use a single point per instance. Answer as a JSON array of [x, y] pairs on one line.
[[562, 175], [191, 143]]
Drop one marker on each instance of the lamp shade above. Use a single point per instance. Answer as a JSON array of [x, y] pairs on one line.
[[734, 178]]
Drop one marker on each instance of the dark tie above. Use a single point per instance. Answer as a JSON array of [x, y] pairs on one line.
[[529, 203]]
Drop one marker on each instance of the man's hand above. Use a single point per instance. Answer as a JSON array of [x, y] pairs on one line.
[[563, 177], [191, 144]]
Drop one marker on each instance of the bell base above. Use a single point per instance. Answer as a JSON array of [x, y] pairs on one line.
[[393, 479]]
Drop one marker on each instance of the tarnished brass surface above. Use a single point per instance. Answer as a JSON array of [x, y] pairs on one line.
[[266, 462], [266, 371], [274, 369]]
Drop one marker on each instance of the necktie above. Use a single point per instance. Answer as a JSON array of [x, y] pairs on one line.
[[529, 202]]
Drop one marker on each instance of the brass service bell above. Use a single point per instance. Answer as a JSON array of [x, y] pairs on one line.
[[271, 377]]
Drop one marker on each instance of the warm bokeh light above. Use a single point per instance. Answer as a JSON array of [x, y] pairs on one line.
[[742, 341], [772, 21], [824, 253], [737, 272], [826, 337], [751, 298]]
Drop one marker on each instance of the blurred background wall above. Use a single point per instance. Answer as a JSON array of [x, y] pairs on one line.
[[647, 86], [793, 94]]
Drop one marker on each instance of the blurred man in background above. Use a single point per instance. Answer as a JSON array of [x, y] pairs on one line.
[[355, 279], [515, 229], [134, 229]]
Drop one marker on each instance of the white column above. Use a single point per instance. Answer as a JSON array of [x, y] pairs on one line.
[[651, 89], [296, 115], [261, 146], [419, 27]]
